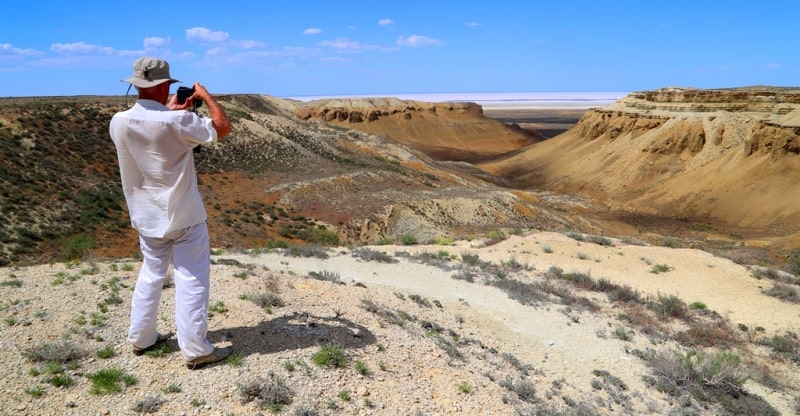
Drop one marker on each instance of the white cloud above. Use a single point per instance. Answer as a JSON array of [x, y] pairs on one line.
[[80, 48], [312, 31], [250, 44], [217, 52], [206, 35], [155, 42], [6, 49], [418, 40], [346, 45], [773, 66], [385, 22], [333, 60], [474, 24]]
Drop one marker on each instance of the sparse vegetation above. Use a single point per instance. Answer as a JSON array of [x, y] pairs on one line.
[[250, 223], [110, 380]]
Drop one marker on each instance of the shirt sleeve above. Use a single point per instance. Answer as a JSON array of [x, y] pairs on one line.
[[195, 129]]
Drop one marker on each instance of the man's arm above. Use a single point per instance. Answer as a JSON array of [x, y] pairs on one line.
[[215, 111], [218, 117]]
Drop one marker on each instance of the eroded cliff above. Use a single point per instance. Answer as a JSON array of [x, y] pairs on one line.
[[729, 156], [444, 131]]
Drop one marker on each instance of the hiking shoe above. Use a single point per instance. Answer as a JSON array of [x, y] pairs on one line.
[[159, 339], [218, 354]]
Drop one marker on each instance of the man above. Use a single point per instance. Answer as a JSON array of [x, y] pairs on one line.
[[154, 141]]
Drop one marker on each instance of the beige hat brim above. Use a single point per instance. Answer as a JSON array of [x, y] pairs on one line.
[[147, 83]]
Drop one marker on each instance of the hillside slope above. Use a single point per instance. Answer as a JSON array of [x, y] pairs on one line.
[[716, 157], [276, 177]]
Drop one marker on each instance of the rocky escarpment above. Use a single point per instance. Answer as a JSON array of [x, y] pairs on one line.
[[373, 109], [443, 131], [729, 156]]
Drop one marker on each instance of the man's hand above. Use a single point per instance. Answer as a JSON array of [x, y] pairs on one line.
[[174, 105]]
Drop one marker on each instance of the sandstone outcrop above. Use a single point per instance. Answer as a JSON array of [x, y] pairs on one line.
[[444, 131], [728, 156]]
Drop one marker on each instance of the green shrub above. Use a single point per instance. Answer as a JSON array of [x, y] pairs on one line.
[[330, 356], [110, 380], [668, 307], [362, 368], [107, 352]]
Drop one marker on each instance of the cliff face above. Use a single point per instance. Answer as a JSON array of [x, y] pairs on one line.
[[730, 156], [443, 131]]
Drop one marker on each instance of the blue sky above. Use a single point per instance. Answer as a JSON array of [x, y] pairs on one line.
[[298, 48]]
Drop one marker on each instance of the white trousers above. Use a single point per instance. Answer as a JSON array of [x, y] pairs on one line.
[[190, 254]]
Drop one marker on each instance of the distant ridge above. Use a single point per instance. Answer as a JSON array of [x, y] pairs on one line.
[[516, 100]]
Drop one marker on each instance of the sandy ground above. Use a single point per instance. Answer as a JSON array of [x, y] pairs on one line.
[[546, 336], [564, 346]]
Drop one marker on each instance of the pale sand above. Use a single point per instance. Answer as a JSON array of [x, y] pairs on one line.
[[544, 335]]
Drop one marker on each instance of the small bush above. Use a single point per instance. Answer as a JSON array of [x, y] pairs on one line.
[[660, 268], [444, 241], [159, 350], [318, 235], [172, 388], [217, 307], [236, 359], [784, 292], [110, 380], [307, 251], [37, 391], [107, 352], [326, 276], [668, 307], [716, 378], [330, 356], [268, 394], [60, 352], [265, 299], [525, 390], [61, 380], [624, 294], [367, 254], [470, 259], [362, 368], [148, 405]]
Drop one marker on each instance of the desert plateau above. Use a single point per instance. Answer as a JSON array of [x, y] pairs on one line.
[[378, 256]]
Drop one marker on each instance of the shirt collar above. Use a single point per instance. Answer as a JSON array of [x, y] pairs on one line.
[[151, 105]]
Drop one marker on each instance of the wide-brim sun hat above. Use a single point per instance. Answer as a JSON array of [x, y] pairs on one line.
[[149, 72]]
